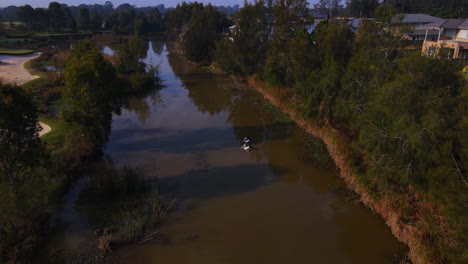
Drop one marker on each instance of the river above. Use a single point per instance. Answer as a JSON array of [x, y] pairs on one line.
[[264, 206]]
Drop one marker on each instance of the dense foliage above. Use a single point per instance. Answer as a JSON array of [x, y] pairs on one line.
[[34, 172], [25, 178], [245, 50], [404, 115], [20, 146], [90, 86], [203, 30]]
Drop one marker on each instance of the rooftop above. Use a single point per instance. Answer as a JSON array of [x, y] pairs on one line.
[[449, 23], [417, 18]]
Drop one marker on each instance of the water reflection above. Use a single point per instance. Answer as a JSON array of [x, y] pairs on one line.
[[266, 206], [157, 46], [108, 50], [143, 106], [199, 84]]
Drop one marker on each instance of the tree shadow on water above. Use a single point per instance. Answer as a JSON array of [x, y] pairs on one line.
[[220, 181], [193, 141]]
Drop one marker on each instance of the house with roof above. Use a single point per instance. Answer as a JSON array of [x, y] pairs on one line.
[[416, 23], [452, 37]]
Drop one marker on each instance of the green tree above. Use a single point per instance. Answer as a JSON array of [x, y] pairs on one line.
[[25, 14], [95, 20], [20, 147], [177, 20], [56, 16], [362, 8], [129, 54], [244, 52], [41, 19], [205, 28], [90, 89], [291, 16], [83, 19], [155, 20], [68, 22]]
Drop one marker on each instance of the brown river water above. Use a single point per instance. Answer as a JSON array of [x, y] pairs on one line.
[[263, 206]]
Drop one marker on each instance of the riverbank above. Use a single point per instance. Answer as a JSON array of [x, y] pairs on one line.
[[337, 147], [12, 68]]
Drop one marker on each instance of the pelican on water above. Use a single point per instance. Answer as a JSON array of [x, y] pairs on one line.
[[246, 147]]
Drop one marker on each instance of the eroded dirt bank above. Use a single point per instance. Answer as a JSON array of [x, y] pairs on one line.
[[337, 147]]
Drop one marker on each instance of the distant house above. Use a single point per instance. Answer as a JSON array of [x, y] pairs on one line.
[[416, 22], [355, 23], [452, 36], [318, 17]]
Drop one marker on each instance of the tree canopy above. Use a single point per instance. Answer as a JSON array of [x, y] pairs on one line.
[[20, 147]]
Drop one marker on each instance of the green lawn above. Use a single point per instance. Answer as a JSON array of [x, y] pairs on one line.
[[59, 130], [48, 34], [15, 51]]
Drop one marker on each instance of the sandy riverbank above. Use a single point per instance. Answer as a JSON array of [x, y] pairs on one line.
[[12, 71], [12, 68]]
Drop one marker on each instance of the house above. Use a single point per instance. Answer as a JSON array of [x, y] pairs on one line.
[[355, 23], [452, 37], [318, 17], [416, 22]]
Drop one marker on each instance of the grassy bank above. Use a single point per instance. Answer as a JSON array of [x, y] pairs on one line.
[[60, 131], [411, 234], [6, 51], [122, 208]]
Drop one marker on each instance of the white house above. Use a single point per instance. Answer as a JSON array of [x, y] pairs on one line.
[[452, 35]]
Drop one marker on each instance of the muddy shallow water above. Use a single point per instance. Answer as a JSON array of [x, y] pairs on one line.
[[264, 206]]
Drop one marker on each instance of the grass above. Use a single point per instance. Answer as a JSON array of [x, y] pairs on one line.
[[15, 51], [278, 114], [316, 152], [121, 200], [57, 137], [5, 39], [28, 66]]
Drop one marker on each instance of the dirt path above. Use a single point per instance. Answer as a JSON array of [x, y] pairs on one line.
[[45, 129], [12, 68]]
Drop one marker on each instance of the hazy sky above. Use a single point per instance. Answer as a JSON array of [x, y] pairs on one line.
[[167, 3]]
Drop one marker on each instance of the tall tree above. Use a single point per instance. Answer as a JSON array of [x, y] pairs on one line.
[[20, 147], [90, 86], [245, 52], [96, 20], [83, 19], [68, 22], [26, 14], [205, 28], [41, 19], [56, 16], [155, 20], [290, 16], [362, 8], [129, 54]]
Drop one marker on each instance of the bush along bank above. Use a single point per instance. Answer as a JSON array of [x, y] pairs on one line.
[[393, 121], [77, 99]]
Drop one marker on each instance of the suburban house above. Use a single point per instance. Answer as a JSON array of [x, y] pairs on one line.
[[417, 22], [452, 37]]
